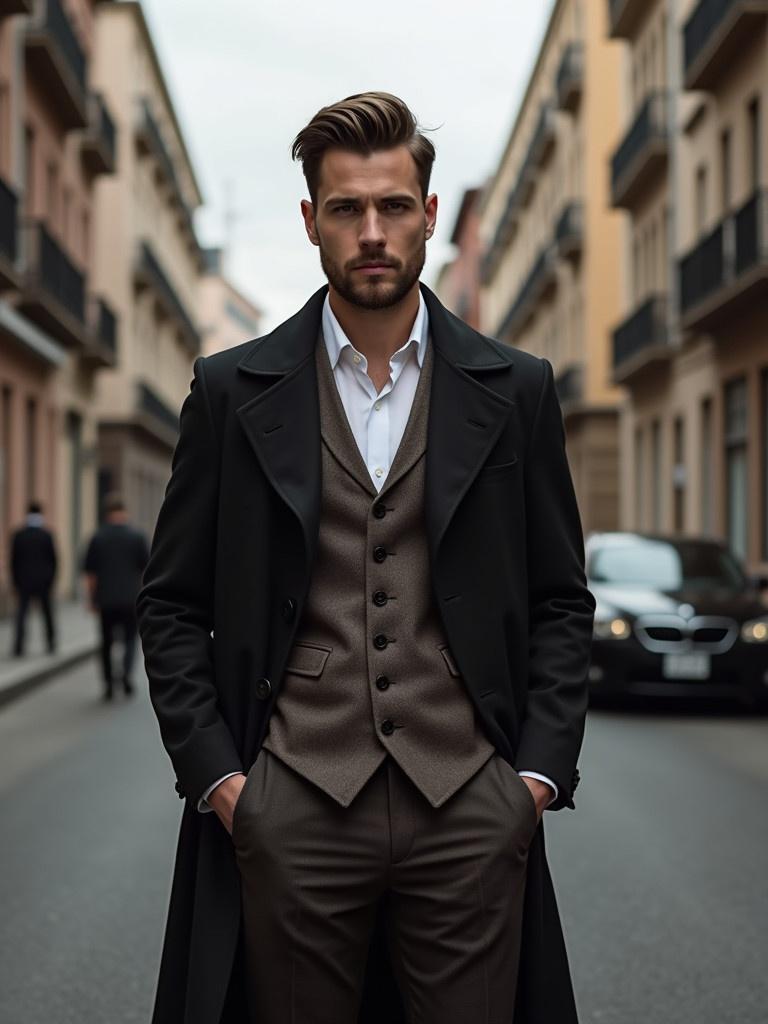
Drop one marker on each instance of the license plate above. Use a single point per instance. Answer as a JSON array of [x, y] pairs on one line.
[[686, 666]]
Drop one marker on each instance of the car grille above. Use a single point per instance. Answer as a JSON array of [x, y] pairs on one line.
[[667, 634]]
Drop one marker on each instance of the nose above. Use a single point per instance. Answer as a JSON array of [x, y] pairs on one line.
[[371, 232]]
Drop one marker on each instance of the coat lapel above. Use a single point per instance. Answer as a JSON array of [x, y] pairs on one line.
[[282, 421]]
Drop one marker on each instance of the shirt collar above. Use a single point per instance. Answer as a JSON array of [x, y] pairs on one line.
[[336, 340]]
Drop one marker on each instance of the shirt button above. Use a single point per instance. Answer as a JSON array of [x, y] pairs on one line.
[[380, 597], [379, 472], [379, 553], [388, 727], [356, 358], [377, 405], [382, 682], [380, 641]]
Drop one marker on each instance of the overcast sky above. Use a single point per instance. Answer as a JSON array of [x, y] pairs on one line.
[[245, 77]]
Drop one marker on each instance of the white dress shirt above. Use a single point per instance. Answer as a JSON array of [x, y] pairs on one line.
[[377, 419]]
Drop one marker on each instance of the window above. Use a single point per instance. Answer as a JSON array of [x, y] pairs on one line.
[[30, 443], [754, 143], [701, 199], [736, 486], [29, 170], [726, 181], [639, 490], [656, 473], [707, 496], [52, 194], [678, 474]]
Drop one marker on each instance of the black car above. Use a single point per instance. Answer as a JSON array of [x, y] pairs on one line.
[[675, 617]]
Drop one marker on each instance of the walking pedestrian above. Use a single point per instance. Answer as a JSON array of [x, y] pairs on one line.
[[366, 628], [33, 571], [114, 562]]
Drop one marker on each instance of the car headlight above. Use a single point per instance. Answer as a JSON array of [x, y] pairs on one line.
[[755, 631], [612, 628]]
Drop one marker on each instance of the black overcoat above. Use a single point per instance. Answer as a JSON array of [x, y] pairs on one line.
[[227, 579]]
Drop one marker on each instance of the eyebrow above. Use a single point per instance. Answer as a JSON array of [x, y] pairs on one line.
[[395, 198]]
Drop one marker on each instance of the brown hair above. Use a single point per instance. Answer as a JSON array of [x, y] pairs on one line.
[[362, 123]]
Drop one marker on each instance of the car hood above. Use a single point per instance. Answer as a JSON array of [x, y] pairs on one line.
[[631, 601]]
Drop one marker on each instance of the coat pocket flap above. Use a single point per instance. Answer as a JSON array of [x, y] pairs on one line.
[[307, 659], [452, 666]]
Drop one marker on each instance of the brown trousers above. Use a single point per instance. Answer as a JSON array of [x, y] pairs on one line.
[[313, 873]]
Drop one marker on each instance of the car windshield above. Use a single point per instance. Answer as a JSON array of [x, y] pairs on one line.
[[665, 566]]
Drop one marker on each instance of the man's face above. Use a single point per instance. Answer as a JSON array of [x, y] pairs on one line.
[[371, 225]]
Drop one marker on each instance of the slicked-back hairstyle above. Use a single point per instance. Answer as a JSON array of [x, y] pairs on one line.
[[363, 123]]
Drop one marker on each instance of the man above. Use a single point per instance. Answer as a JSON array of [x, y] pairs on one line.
[[364, 613], [33, 571], [114, 562]]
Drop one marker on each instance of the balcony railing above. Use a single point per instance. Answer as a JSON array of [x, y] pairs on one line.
[[57, 59], [541, 280], [148, 271], [100, 138], [569, 385], [643, 150], [100, 349], [625, 16], [569, 230], [8, 239], [727, 267], [713, 35], [642, 340], [150, 406], [15, 7], [53, 289], [570, 77]]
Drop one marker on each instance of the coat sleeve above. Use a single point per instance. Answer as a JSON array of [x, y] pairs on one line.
[[561, 607], [175, 605]]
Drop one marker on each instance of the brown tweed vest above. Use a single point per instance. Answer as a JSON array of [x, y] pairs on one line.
[[370, 673]]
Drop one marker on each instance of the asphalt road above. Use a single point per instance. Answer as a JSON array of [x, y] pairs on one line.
[[662, 872]]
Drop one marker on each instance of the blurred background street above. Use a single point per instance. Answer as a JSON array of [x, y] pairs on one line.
[[670, 834]]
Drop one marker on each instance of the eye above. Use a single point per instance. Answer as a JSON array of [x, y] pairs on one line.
[[344, 208], [394, 204]]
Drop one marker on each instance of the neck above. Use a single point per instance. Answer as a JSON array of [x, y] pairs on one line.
[[377, 333]]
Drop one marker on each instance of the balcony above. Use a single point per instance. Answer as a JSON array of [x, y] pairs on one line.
[[728, 269], [642, 341], [101, 348], [9, 277], [53, 289], [713, 36], [56, 59], [98, 149], [148, 273], [154, 415], [569, 385], [538, 285], [570, 78], [543, 141], [643, 151], [569, 231], [15, 7], [625, 16]]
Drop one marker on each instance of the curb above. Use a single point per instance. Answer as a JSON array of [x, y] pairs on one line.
[[22, 680]]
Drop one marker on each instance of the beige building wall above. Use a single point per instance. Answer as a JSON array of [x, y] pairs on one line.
[[148, 262], [694, 433], [227, 317], [552, 276]]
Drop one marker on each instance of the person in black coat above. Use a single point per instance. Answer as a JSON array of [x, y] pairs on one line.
[[113, 564], [33, 570]]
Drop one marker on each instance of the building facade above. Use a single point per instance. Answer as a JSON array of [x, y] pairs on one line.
[[149, 262], [551, 275], [227, 317], [691, 350], [57, 327], [458, 283]]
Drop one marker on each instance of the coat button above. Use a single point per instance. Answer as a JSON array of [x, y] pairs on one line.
[[288, 609], [388, 727], [382, 682], [179, 790], [379, 553], [380, 597], [575, 779], [380, 641], [379, 511], [263, 688]]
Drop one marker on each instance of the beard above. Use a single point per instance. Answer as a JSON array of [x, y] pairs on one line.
[[368, 292]]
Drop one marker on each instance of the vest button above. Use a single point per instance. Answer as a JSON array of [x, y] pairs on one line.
[[380, 641], [382, 682], [288, 609], [380, 597], [263, 688], [379, 553], [388, 727], [379, 511]]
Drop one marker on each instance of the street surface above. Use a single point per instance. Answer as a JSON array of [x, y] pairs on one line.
[[662, 872]]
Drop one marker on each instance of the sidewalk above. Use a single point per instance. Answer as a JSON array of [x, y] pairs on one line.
[[78, 639]]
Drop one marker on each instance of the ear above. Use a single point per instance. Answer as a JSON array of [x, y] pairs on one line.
[[308, 213], [430, 212]]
